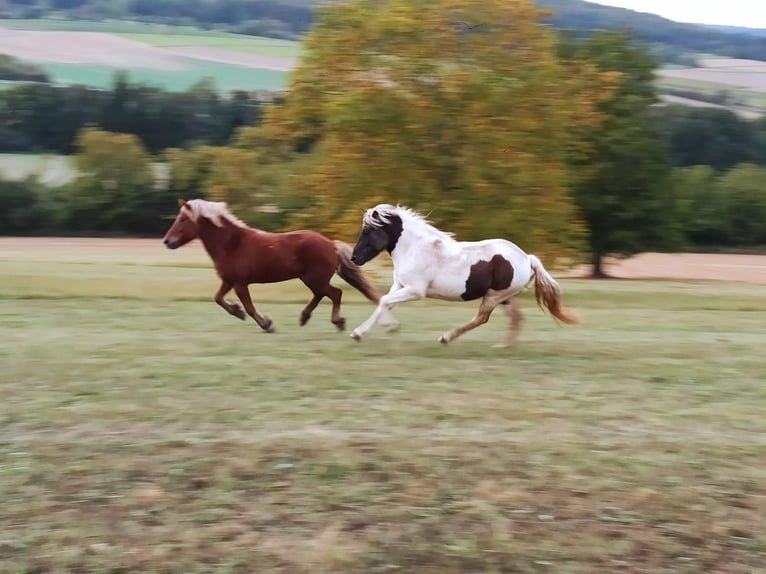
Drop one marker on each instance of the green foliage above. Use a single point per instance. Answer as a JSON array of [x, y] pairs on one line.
[[117, 189], [24, 210], [721, 209], [399, 102], [622, 184], [41, 117], [11, 69], [746, 210], [710, 136]]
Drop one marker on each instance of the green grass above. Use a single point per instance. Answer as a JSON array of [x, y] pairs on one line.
[[144, 430], [227, 77]]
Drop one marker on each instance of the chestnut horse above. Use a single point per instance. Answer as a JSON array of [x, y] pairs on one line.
[[243, 255]]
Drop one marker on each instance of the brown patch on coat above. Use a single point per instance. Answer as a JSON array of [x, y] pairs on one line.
[[495, 274]]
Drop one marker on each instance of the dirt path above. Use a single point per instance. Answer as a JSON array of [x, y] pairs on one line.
[[746, 268], [703, 266]]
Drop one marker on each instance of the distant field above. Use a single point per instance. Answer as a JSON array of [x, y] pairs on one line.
[[52, 169], [743, 80], [226, 77], [234, 42], [173, 58], [144, 430]]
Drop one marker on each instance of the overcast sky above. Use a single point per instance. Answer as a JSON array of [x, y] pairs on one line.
[[750, 13]]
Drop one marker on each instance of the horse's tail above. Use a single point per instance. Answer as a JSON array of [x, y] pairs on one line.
[[548, 293], [352, 274]]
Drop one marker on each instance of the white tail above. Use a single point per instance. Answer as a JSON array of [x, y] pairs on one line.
[[548, 293]]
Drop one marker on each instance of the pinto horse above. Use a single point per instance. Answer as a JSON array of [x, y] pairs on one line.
[[430, 263], [243, 255]]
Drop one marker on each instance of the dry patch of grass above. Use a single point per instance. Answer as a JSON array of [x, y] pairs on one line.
[[143, 431]]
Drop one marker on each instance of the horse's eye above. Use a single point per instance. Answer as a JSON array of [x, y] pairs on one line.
[[182, 219]]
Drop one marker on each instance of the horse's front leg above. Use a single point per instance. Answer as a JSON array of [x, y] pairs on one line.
[[398, 294], [231, 308], [387, 318], [244, 295]]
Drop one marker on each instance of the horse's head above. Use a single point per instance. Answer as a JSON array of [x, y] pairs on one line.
[[184, 228], [381, 229]]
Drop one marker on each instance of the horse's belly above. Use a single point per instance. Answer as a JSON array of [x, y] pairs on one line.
[[449, 289]]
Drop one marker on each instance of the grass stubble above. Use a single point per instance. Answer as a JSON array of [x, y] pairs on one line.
[[144, 430]]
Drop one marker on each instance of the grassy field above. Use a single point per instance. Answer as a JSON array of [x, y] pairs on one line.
[[741, 80], [224, 41], [144, 430], [226, 77], [233, 61], [52, 169]]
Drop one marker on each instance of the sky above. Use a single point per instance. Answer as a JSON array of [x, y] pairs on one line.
[[749, 13]]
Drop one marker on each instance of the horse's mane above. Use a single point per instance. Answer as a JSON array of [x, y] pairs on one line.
[[385, 211], [215, 211]]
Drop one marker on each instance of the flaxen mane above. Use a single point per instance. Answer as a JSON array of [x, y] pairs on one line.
[[215, 211]]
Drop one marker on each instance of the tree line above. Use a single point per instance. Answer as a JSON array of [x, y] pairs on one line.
[[562, 147], [39, 117], [287, 19]]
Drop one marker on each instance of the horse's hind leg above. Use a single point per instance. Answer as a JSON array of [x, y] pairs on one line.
[[231, 308], [335, 294], [482, 316], [244, 295], [511, 309], [306, 313]]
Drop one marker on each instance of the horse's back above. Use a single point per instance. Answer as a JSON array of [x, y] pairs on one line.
[[274, 257]]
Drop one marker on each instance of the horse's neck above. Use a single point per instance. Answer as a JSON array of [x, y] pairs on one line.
[[413, 246], [219, 240]]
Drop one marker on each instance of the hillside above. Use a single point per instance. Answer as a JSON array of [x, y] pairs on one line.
[[673, 42]]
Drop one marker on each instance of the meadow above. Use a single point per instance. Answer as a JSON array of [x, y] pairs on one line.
[[145, 430], [50, 169], [225, 77], [171, 57]]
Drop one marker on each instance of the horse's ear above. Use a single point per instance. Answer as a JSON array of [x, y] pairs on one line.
[[181, 203], [375, 216]]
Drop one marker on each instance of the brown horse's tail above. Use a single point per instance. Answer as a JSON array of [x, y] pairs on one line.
[[548, 293], [352, 274]]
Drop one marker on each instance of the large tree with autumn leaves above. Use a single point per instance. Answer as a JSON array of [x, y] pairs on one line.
[[457, 108]]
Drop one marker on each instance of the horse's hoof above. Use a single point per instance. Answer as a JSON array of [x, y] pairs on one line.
[[305, 319], [392, 328], [269, 326], [443, 340], [238, 312], [356, 336], [340, 324]]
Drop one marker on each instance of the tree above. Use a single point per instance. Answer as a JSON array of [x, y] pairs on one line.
[[460, 108], [116, 188], [708, 136], [700, 208], [621, 189], [24, 211], [743, 186]]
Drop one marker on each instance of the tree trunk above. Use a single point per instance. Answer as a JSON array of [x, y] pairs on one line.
[[598, 269]]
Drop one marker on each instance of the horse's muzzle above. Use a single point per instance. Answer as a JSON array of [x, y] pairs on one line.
[[170, 244]]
